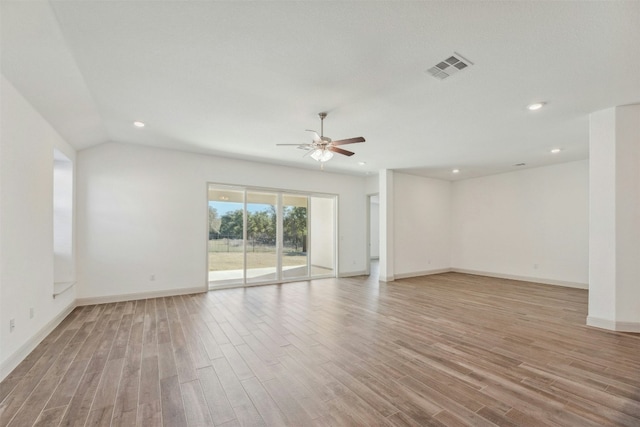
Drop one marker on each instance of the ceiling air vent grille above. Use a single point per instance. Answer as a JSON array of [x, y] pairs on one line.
[[449, 66]]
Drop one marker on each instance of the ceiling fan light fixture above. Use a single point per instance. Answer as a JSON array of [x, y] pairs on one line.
[[321, 155], [536, 106], [322, 148]]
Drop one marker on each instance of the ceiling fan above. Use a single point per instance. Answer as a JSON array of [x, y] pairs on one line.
[[323, 147]]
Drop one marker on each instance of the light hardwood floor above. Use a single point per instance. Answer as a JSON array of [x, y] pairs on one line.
[[449, 349]]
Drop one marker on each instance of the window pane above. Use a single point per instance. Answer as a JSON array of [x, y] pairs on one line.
[[261, 236], [294, 236], [226, 244]]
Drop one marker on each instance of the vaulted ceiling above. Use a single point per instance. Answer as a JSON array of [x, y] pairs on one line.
[[235, 78]]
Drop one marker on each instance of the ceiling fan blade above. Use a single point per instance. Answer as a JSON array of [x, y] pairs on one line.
[[348, 141], [316, 137], [299, 145], [340, 150], [308, 152]]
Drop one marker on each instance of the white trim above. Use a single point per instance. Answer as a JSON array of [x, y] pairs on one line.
[[139, 295], [422, 273], [238, 285], [367, 243], [387, 279], [612, 325], [280, 235], [61, 287], [336, 235], [206, 250], [20, 354], [234, 285], [523, 278], [352, 274]]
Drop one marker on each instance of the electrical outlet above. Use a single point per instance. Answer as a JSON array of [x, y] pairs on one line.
[[152, 277], [535, 266], [31, 313], [12, 325]]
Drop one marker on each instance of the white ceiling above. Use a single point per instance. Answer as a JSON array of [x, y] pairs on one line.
[[235, 78]]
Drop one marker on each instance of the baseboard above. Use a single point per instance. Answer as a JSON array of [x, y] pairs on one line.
[[523, 278], [140, 295], [20, 354], [422, 273], [612, 325], [353, 274]]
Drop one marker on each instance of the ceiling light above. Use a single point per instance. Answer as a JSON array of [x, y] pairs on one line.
[[138, 124], [321, 155], [535, 106], [456, 171], [556, 150], [362, 163]]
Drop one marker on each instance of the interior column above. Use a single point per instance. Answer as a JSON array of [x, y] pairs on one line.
[[385, 188], [614, 223]]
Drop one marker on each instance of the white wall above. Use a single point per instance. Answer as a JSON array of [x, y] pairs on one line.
[[26, 228], [371, 184], [628, 215], [387, 229], [602, 211], [422, 225], [322, 228], [142, 211], [531, 224], [614, 268]]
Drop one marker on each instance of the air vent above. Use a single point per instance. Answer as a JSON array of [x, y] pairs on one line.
[[449, 66]]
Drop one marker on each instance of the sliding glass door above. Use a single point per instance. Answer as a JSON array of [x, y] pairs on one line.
[[268, 236], [262, 247]]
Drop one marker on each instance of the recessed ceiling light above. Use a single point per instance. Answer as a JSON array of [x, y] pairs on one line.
[[456, 171], [556, 150], [362, 163], [138, 124], [535, 106]]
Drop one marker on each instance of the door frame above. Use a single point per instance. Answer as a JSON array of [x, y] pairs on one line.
[[279, 234], [368, 239]]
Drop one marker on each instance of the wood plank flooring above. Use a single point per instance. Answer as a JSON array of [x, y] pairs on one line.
[[443, 350]]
